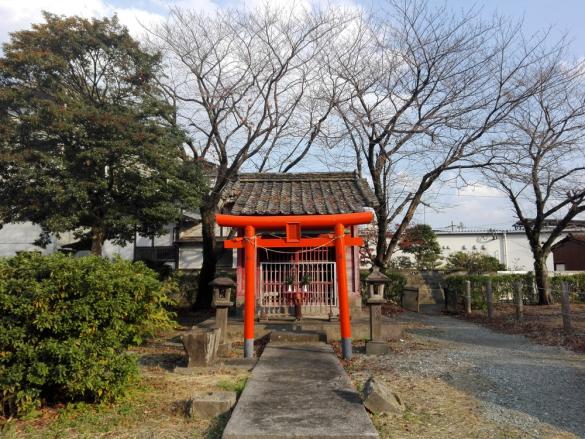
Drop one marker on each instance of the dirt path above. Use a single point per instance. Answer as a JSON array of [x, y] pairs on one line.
[[517, 382]]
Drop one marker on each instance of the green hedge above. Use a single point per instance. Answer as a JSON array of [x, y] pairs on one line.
[[65, 325], [392, 291], [503, 287], [576, 286]]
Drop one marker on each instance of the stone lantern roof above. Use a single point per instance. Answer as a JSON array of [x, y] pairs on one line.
[[376, 277], [222, 281]]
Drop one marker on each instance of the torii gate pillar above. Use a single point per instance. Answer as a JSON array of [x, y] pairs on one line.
[[341, 266], [250, 288]]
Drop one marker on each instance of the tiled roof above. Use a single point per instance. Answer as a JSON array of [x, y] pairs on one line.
[[316, 193]]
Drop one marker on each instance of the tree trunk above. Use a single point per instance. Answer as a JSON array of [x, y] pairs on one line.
[[541, 278], [98, 237], [204, 291], [382, 226]]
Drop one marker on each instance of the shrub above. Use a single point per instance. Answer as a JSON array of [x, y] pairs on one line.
[[401, 263], [188, 283], [65, 325]]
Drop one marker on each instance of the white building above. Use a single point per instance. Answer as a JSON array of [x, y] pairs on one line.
[[180, 246], [19, 237], [510, 247]]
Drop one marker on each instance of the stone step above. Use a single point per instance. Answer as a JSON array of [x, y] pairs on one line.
[[298, 337], [299, 391]]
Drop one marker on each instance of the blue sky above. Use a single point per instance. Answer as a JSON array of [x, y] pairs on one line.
[[478, 206]]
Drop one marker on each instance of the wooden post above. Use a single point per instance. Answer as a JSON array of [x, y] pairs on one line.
[[566, 307], [468, 297], [249, 290], [342, 291], [519, 300], [490, 300]]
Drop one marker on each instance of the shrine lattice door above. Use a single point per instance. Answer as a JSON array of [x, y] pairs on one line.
[[305, 272]]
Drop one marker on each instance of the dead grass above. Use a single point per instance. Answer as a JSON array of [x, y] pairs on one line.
[[154, 408], [435, 409], [541, 323]]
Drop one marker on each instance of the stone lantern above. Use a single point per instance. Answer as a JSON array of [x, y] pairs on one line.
[[376, 283], [222, 293]]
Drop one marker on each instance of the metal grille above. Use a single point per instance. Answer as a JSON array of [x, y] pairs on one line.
[[280, 281]]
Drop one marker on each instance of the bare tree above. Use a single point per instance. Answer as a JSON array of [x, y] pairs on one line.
[[420, 92], [542, 165], [240, 81]]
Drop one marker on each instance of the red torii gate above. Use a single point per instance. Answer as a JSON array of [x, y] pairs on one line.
[[293, 225]]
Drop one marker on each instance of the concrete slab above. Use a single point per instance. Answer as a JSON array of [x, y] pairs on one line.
[[299, 391]]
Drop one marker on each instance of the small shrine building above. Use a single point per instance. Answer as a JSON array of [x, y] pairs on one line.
[[297, 245]]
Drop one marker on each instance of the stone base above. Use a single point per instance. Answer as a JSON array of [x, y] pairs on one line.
[[392, 331], [224, 349], [208, 405], [376, 347], [201, 346]]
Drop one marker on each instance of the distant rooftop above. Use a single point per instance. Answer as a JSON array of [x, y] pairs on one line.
[[551, 223]]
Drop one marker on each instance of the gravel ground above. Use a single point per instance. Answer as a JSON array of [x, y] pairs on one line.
[[517, 382]]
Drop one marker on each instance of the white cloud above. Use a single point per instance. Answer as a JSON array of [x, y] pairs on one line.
[[476, 206], [479, 190], [18, 15], [136, 20]]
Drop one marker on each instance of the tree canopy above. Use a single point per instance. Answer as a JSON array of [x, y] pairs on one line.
[[420, 241], [85, 145]]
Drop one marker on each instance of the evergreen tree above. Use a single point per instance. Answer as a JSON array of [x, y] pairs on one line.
[[473, 262], [85, 143], [420, 241]]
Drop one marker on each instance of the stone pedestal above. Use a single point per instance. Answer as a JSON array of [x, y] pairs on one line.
[[376, 345], [201, 346], [221, 322]]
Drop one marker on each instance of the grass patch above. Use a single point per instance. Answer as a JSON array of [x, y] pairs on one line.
[[236, 384], [153, 408]]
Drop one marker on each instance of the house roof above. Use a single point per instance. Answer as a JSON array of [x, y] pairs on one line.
[[317, 193], [579, 238]]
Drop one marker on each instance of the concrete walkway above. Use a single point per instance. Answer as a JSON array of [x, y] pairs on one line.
[[299, 391]]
